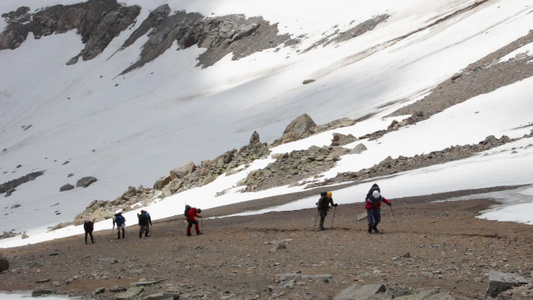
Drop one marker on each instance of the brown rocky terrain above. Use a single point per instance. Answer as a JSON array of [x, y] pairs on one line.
[[425, 245]]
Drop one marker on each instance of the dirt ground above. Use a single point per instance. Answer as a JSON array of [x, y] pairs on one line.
[[422, 246]]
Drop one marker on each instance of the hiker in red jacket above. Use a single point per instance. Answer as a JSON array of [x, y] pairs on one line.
[[192, 215], [373, 205]]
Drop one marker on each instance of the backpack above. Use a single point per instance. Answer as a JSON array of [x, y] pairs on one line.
[[88, 225], [323, 202], [374, 187], [143, 220], [120, 220], [187, 208]]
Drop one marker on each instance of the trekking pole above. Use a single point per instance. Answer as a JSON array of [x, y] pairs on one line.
[[392, 212], [315, 220], [334, 211]]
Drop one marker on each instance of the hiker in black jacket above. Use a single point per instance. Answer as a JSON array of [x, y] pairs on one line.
[[144, 223], [323, 207], [88, 226]]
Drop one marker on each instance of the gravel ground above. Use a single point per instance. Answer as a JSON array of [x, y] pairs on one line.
[[424, 245]]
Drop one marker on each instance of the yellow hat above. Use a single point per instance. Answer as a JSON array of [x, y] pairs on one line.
[[329, 194]]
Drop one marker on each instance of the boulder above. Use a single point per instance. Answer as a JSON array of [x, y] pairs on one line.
[[181, 172], [341, 139], [86, 181], [433, 294], [42, 291], [66, 187], [358, 149], [299, 128], [500, 282], [162, 182], [360, 292], [132, 291]]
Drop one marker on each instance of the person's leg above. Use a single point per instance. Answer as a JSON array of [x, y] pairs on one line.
[[118, 233], [377, 219], [146, 230], [189, 228], [370, 215], [196, 227], [92, 239], [123, 232], [85, 237], [323, 214], [141, 229]]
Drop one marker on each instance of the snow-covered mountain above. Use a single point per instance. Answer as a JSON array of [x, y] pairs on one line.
[[88, 118]]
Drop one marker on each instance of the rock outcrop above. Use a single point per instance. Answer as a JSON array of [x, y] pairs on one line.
[[179, 179], [99, 21], [9, 187]]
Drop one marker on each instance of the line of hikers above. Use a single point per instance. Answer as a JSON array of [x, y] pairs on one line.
[[325, 203]]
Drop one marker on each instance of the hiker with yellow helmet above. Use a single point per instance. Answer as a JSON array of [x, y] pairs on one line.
[[323, 207]]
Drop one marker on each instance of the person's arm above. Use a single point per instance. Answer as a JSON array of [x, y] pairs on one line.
[[386, 201], [368, 204]]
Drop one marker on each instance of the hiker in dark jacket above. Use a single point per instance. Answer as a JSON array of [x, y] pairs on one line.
[[144, 223], [373, 207], [191, 219], [120, 221], [88, 226], [323, 206]]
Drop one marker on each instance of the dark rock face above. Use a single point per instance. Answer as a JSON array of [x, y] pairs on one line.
[[100, 21], [10, 186], [97, 21], [220, 36]]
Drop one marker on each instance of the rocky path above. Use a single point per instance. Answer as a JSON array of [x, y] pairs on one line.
[[280, 256]]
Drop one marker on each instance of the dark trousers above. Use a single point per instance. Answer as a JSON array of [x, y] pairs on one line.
[[195, 223], [145, 229], [374, 216], [323, 214], [119, 229], [89, 233]]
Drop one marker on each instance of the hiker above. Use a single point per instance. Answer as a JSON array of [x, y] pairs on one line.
[[323, 205], [144, 223], [191, 215], [88, 226], [373, 204], [121, 224]]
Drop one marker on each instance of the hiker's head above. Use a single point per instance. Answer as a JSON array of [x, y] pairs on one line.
[[375, 194], [329, 194], [198, 210], [143, 211]]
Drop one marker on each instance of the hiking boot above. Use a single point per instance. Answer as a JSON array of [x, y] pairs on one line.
[[199, 233], [369, 228], [322, 228], [189, 234]]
